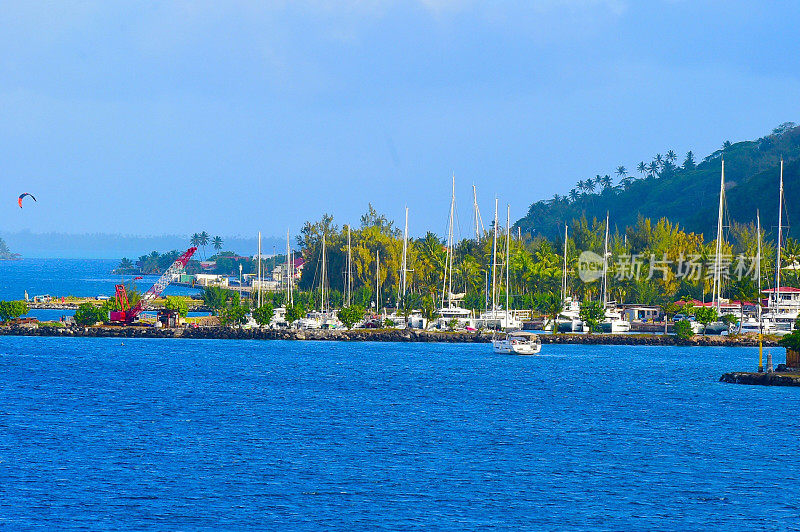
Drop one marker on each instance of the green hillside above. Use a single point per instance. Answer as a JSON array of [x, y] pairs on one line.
[[686, 193]]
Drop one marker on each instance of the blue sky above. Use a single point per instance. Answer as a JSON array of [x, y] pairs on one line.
[[234, 117]]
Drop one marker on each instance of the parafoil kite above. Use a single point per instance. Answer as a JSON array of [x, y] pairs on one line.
[[19, 201]]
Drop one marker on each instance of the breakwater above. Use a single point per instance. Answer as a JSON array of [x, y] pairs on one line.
[[372, 335], [762, 379]]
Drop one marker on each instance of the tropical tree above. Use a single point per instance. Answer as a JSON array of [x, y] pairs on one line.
[[671, 156], [178, 305], [574, 194], [264, 314], [195, 240], [215, 298], [204, 238], [688, 163], [12, 309], [217, 243], [621, 171], [642, 168], [592, 313], [705, 315], [351, 315]]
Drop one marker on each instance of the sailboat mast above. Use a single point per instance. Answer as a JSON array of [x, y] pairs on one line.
[[758, 262], [564, 277], [405, 258], [322, 281], [717, 288], [780, 238], [476, 212], [508, 257], [494, 258], [349, 268], [451, 246], [377, 280], [288, 270], [605, 266]]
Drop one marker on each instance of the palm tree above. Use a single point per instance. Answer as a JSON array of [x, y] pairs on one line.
[[195, 240], [642, 168], [598, 179], [621, 171], [217, 243], [659, 160], [606, 181], [581, 185], [671, 156], [589, 184], [573, 194], [652, 169], [204, 237]]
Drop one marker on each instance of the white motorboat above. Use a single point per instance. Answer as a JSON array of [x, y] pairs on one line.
[[518, 343]]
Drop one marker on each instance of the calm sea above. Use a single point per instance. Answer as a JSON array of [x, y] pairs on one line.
[[222, 435]]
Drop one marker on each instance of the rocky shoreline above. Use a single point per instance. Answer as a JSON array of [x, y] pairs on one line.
[[761, 379], [372, 335]]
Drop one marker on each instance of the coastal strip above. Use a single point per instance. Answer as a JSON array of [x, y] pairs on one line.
[[374, 335]]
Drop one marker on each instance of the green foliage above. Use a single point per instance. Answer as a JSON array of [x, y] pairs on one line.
[[88, 314], [178, 305], [451, 324], [12, 309], [233, 315], [791, 341], [593, 313], [264, 314], [683, 329], [351, 315], [216, 298], [705, 315], [295, 312], [729, 319]]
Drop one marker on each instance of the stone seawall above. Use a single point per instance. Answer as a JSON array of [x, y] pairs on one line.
[[372, 335]]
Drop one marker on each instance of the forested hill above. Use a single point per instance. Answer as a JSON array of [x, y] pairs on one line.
[[685, 192]]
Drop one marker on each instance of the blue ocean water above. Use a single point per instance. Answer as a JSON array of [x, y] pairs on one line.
[[65, 277], [184, 434]]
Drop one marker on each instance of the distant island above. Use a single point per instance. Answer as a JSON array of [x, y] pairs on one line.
[[5, 253]]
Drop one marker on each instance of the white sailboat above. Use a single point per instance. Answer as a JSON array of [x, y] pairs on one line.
[[719, 327], [569, 320], [782, 314], [451, 313], [613, 321], [758, 324], [515, 342], [496, 317]]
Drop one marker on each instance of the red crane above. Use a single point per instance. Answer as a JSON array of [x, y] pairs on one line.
[[127, 314]]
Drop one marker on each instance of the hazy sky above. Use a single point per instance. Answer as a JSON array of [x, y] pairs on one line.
[[233, 117]]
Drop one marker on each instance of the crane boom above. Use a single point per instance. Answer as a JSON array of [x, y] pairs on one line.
[[172, 273]]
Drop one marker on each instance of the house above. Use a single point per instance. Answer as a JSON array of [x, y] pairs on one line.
[[642, 313], [788, 297], [208, 279]]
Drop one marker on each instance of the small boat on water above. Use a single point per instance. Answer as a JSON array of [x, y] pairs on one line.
[[518, 343]]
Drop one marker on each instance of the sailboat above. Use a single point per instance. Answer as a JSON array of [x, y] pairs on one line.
[[758, 324], [784, 306], [719, 327], [515, 342], [613, 321], [496, 317], [569, 320], [451, 312], [324, 319]]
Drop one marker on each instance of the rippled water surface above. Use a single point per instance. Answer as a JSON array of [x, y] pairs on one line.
[[305, 435]]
